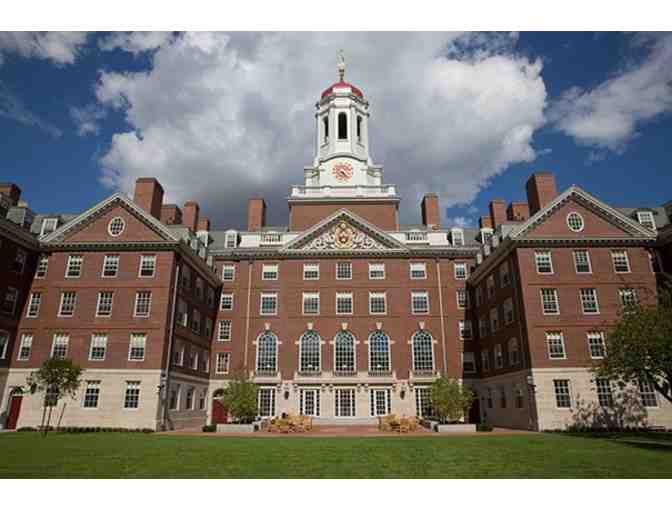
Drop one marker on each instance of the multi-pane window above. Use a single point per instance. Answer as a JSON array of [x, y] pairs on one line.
[[344, 303], [628, 297], [556, 345], [344, 352], [42, 267], [423, 401], [208, 327], [514, 352], [483, 329], [589, 303], [91, 394], [309, 352], [605, 396], [136, 348], [562, 395], [311, 303], [202, 398], [311, 271], [226, 302], [222, 363], [544, 262], [266, 402], [34, 305], [462, 299], [504, 275], [380, 401], [468, 362], [420, 302], [116, 226], [379, 352], [423, 352], [499, 357], [267, 353], [494, 319], [147, 266], [596, 344], [582, 262], [4, 342], [418, 271], [647, 393], [143, 303], [620, 261], [645, 218], [377, 303], [110, 266], [376, 271], [508, 311], [269, 303], [465, 330], [68, 303], [174, 399], [485, 360], [59, 348], [132, 395], [74, 266], [519, 397], [460, 270], [104, 304], [196, 322], [25, 347], [309, 402], [231, 240], [457, 236], [19, 262], [549, 301], [269, 272], [345, 402], [224, 334], [228, 272], [343, 270], [189, 400], [210, 299], [575, 222], [98, 347]]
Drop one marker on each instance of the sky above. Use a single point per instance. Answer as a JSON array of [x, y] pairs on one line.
[[219, 117]]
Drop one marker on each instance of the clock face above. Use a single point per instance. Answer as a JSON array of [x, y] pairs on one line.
[[342, 171]]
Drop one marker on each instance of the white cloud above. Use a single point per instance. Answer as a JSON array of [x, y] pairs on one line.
[[59, 47], [134, 42], [609, 115], [460, 221], [13, 108], [219, 117], [87, 118]]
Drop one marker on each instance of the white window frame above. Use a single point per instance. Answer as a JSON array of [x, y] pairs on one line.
[[346, 296], [137, 336], [94, 337], [267, 269], [110, 258], [229, 268], [116, 221], [343, 263], [229, 330], [147, 258], [583, 302], [628, 291], [148, 313], [4, 335], [63, 340], [34, 303], [375, 267], [463, 327], [263, 295], [617, 254], [554, 335], [53, 222], [42, 267], [648, 214], [74, 304], [462, 304], [226, 295], [592, 335], [555, 301], [417, 267], [310, 295], [538, 256], [419, 294], [568, 394], [133, 386], [222, 362], [26, 343], [469, 357], [459, 267], [373, 295], [576, 264], [310, 267], [99, 300], [72, 259], [577, 216], [95, 387]]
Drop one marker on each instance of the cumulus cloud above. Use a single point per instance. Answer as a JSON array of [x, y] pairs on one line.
[[461, 221], [87, 118], [134, 42], [218, 117], [13, 108], [59, 47], [608, 116]]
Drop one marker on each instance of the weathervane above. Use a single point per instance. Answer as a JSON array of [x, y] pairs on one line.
[[341, 64]]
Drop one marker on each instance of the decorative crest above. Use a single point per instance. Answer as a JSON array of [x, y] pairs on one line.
[[341, 65]]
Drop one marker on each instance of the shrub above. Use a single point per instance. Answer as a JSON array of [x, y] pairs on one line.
[[450, 399], [483, 427], [209, 428]]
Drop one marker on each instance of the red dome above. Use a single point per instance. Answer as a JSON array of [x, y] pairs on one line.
[[342, 83]]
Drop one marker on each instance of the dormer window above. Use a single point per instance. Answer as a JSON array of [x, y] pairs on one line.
[[48, 226], [342, 126], [457, 236], [645, 219], [231, 240], [486, 235], [325, 130]]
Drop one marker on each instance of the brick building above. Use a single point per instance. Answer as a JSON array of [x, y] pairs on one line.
[[343, 314]]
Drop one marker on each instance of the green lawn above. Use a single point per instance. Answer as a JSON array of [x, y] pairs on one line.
[[136, 455]]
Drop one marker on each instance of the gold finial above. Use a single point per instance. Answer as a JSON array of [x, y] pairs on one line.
[[341, 65]]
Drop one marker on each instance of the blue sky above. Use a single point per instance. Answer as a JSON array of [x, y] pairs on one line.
[[219, 118]]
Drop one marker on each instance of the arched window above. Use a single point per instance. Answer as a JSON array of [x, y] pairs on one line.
[[267, 353], [342, 126], [344, 352], [359, 128], [309, 352], [379, 352], [423, 352], [325, 124]]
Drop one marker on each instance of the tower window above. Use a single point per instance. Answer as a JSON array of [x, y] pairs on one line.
[[342, 126], [325, 122], [359, 128]]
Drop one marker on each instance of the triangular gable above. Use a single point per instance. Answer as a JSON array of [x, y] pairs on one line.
[[344, 231], [601, 220], [91, 225]]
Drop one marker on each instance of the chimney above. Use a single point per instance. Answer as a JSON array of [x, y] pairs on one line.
[[203, 224], [497, 212], [12, 191], [256, 214], [171, 215], [518, 211], [431, 217], [149, 195], [540, 190], [485, 222], [190, 215]]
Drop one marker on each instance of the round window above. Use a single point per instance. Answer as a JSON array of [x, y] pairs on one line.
[[575, 222], [116, 226]]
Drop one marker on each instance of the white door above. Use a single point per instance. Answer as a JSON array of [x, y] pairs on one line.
[[380, 402], [309, 404]]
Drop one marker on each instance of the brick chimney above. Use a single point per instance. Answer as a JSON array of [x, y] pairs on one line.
[[190, 212], [431, 217], [485, 222], [149, 195], [540, 190], [497, 212], [12, 191], [518, 211], [256, 214], [171, 214], [203, 224]]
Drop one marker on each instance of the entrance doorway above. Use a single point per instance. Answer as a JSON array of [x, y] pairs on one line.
[[15, 399], [475, 411], [380, 402], [220, 414], [309, 402]]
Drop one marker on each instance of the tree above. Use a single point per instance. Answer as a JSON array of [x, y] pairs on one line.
[[240, 398], [56, 378], [639, 348], [450, 400]]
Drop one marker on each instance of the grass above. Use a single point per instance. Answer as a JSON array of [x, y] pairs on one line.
[[123, 455]]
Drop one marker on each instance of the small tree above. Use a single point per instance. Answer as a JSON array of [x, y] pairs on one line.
[[240, 398], [56, 378], [639, 348], [450, 399]]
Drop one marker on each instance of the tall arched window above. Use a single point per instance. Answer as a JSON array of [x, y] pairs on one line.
[[344, 352], [379, 352], [267, 352], [325, 128], [309, 352], [342, 126], [423, 352]]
